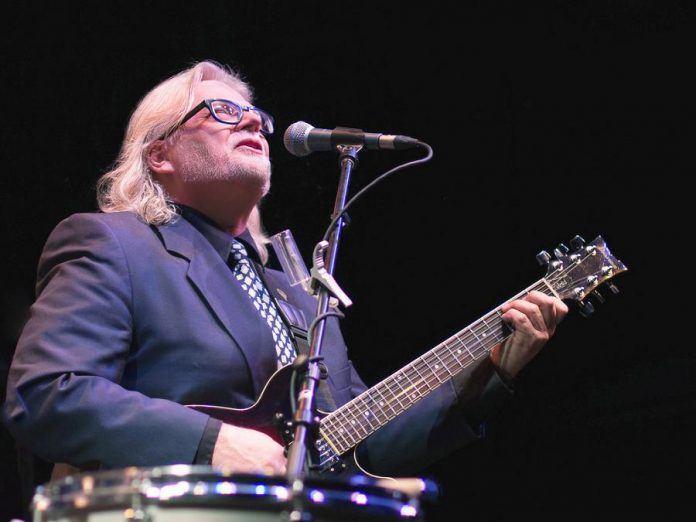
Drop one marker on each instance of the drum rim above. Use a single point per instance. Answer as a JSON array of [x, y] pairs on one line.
[[142, 487], [194, 470]]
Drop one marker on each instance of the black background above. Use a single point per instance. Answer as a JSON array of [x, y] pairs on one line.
[[548, 119]]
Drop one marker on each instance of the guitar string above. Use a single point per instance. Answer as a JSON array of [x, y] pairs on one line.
[[351, 411], [418, 383], [357, 413], [361, 404]]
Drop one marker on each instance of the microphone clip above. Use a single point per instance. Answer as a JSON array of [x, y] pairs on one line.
[[348, 136], [348, 153], [320, 276]]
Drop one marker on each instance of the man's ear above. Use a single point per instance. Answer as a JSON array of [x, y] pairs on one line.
[[157, 159]]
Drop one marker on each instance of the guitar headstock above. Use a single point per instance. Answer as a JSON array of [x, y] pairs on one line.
[[575, 274]]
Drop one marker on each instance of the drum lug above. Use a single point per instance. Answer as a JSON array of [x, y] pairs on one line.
[[136, 515]]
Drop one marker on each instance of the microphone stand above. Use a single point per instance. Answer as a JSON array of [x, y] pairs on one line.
[[304, 420]]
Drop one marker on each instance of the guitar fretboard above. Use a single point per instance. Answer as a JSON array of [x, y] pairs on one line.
[[350, 424]]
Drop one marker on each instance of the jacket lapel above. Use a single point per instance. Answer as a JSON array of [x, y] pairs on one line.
[[228, 302]]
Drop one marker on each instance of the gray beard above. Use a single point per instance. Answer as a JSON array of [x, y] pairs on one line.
[[202, 166]]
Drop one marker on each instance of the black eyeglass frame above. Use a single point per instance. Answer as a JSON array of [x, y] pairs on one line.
[[208, 103]]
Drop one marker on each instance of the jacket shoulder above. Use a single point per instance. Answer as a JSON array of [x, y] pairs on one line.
[[125, 226], [110, 219]]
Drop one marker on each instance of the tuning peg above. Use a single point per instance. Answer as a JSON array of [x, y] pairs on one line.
[[611, 286], [543, 258], [597, 295], [560, 251], [585, 308], [577, 242]]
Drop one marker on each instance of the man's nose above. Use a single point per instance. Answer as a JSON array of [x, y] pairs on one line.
[[251, 121]]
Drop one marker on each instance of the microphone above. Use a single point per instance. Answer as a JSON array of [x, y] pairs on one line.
[[302, 139]]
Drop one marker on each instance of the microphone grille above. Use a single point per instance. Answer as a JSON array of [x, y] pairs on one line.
[[295, 138]]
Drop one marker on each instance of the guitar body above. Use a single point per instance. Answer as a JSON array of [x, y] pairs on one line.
[[272, 415], [265, 414]]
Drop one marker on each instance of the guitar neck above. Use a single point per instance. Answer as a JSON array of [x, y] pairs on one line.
[[350, 424]]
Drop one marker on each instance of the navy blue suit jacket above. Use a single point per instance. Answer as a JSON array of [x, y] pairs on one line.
[[132, 321]]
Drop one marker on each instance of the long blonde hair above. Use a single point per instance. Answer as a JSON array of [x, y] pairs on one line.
[[129, 185]]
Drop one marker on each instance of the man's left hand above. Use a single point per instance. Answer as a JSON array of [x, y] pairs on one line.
[[534, 319]]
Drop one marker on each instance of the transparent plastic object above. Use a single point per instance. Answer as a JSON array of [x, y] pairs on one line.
[[290, 258]]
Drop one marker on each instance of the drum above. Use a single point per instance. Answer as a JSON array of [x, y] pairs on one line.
[[201, 494]]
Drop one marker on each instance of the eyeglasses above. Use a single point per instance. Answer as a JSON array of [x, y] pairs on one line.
[[225, 111]]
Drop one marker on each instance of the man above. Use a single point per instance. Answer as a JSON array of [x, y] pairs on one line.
[[143, 308]]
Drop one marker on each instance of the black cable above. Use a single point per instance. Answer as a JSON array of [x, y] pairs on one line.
[[302, 362], [320, 317], [352, 200]]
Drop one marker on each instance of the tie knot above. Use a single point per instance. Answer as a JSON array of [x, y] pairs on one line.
[[238, 251]]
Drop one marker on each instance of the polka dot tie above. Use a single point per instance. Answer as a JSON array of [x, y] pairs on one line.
[[257, 292]]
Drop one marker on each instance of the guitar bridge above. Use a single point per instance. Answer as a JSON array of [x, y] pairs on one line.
[[325, 458], [328, 459], [284, 428]]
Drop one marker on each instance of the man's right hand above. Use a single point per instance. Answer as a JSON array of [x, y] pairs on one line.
[[241, 450]]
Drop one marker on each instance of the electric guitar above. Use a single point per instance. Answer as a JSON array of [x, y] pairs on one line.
[[572, 276]]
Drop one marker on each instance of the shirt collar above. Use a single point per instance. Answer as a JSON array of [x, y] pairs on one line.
[[220, 239]]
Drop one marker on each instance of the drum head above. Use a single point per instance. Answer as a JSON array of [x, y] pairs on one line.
[[185, 493]]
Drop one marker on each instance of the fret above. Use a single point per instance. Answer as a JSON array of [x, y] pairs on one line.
[[498, 334], [366, 412], [445, 365], [503, 330], [490, 342], [486, 325], [412, 395], [485, 333], [379, 405], [333, 433], [465, 347], [546, 288], [501, 324], [494, 324], [346, 426], [454, 356], [438, 367], [337, 434], [397, 380], [356, 421], [420, 375], [477, 340], [328, 424], [384, 401], [376, 408], [459, 351], [340, 445], [346, 434], [432, 370]]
